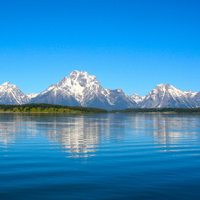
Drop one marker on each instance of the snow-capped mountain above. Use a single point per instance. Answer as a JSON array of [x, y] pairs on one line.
[[55, 95], [165, 95], [82, 89], [32, 95], [136, 98], [11, 94], [190, 94], [196, 99]]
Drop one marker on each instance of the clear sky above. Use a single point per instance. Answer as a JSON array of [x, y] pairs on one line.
[[129, 44]]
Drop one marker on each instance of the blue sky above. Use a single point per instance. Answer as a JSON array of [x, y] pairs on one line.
[[128, 44]]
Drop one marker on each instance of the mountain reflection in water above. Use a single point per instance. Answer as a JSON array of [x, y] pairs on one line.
[[99, 156], [82, 135]]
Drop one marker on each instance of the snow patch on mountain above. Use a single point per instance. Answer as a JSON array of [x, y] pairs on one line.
[[11, 94], [32, 95], [165, 95], [82, 89], [190, 94], [136, 98], [86, 90]]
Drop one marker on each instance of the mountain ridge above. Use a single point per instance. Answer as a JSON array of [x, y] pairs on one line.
[[82, 89], [165, 95]]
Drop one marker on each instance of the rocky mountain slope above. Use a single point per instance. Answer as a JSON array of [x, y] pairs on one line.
[[82, 89], [136, 98], [196, 99], [190, 94], [11, 94], [165, 95]]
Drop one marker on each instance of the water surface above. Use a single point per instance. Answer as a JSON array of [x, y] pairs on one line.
[[99, 156]]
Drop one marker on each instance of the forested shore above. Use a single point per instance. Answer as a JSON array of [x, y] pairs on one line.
[[54, 108], [48, 108], [159, 110]]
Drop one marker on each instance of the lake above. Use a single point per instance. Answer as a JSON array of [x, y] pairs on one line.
[[99, 156]]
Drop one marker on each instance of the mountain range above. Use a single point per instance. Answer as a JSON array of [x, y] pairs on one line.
[[82, 89]]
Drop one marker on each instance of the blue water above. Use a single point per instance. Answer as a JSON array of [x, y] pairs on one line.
[[99, 156]]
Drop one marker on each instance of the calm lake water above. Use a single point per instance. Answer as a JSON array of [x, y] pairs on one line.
[[99, 156]]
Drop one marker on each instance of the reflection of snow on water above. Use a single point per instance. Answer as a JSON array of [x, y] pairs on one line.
[[79, 136], [82, 135]]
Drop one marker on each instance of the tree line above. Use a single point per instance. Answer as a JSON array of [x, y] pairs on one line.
[[49, 108], [158, 110]]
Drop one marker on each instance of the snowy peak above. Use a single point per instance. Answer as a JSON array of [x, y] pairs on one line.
[[83, 79], [79, 75], [78, 84], [165, 95], [82, 89], [165, 89], [11, 94], [32, 95], [190, 94], [85, 90], [6, 86], [135, 98]]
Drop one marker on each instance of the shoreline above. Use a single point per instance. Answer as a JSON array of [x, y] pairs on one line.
[[149, 113]]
